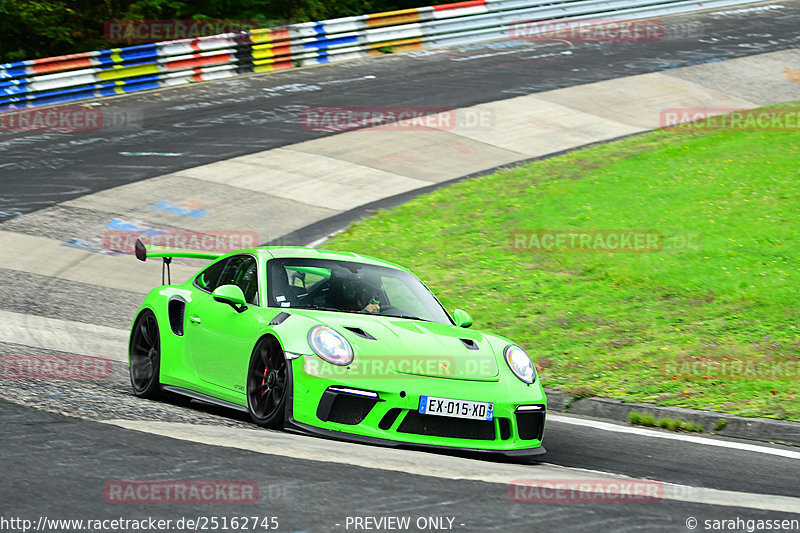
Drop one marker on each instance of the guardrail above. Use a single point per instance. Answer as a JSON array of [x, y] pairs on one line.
[[95, 74]]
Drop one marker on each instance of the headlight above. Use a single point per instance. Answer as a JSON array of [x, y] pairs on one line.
[[330, 345], [519, 363]]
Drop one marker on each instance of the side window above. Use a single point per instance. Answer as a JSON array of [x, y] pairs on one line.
[[208, 279], [231, 270], [240, 270], [247, 279]]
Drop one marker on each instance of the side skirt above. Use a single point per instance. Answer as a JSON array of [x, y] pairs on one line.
[[202, 397]]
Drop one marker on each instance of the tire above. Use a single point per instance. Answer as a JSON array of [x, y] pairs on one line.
[[144, 356], [267, 384]]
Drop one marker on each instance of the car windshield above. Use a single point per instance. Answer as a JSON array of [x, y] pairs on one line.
[[345, 286]]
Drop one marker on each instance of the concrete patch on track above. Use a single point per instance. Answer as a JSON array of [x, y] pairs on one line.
[[306, 177], [230, 208], [534, 126], [420, 153], [766, 79], [639, 100]]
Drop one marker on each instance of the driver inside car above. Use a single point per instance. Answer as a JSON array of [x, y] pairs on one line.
[[353, 295], [368, 300]]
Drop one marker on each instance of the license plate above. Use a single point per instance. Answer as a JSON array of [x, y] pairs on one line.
[[430, 405]]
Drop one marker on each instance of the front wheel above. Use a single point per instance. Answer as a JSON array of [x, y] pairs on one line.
[[267, 384], [144, 356]]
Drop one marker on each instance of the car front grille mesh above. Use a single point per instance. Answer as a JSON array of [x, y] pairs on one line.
[[440, 426]]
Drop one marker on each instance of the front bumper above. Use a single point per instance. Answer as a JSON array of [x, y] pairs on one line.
[[385, 412]]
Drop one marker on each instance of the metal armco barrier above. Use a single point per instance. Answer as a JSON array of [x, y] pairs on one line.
[[52, 80]]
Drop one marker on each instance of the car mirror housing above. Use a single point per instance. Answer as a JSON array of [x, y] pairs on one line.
[[231, 295], [462, 318]]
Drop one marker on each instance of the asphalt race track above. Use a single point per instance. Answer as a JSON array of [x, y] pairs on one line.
[[199, 124], [63, 442]]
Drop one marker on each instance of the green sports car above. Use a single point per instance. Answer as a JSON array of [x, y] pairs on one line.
[[334, 344]]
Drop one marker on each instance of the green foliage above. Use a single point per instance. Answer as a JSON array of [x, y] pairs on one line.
[[721, 424], [647, 420], [671, 424]]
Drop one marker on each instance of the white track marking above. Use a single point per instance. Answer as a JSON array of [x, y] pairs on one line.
[[606, 426], [63, 335], [434, 465]]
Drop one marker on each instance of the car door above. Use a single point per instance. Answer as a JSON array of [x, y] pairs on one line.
[[219, 338]]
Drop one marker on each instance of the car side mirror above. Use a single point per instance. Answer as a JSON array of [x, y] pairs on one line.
[[462, 318], [231, 295]]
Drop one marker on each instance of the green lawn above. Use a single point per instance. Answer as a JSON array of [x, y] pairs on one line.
[[710, 321]]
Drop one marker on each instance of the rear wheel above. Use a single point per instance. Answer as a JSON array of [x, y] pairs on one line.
[[144, 352], [267, 384]]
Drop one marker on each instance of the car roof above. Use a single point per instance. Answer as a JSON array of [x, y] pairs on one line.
[[302, 252]]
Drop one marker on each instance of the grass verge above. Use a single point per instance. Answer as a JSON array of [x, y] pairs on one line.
[[672, 424], [708, 321]]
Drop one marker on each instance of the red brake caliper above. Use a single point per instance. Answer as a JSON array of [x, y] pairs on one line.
[[264, 380]]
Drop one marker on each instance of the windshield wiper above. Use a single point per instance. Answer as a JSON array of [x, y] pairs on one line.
[[323, 308], [410, 317]]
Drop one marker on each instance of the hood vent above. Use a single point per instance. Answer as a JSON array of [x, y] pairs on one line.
[[470, 344], [360, 332]]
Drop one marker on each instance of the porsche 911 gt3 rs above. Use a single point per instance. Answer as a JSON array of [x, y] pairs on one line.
[[338, 345]]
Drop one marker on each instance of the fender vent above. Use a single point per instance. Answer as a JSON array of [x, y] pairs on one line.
[[470, 344], [279, 318], [176, 309], [360, 332]]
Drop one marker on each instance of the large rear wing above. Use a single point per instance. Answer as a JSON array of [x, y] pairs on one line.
[[142, 253]]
